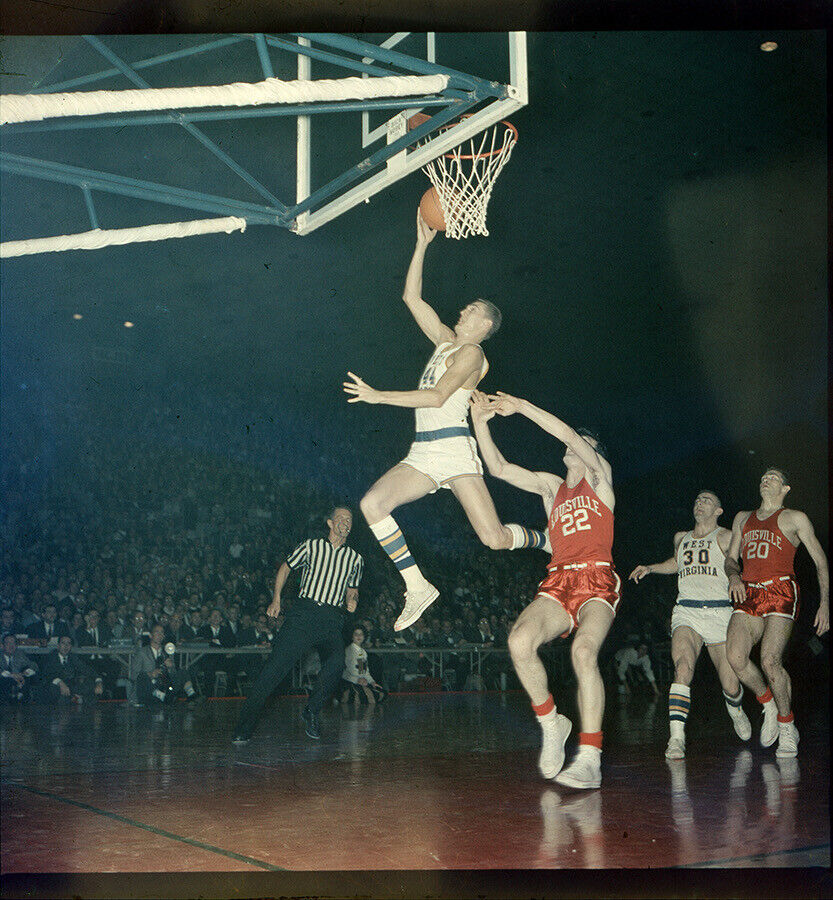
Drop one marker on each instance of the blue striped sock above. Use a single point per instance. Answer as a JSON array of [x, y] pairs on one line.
[[526, 537], [392, 541], [679, 703], [736, 700]]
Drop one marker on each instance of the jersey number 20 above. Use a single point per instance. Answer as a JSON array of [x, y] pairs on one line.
[[757, 550]]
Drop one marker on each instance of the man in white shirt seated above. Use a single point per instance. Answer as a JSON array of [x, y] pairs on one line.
[[631, 660]]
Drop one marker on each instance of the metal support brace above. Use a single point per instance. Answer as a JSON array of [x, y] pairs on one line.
[[263, 53], [480, 86], [88, 199], [143, 190], [140, 64], [191, 129], [376, 159]]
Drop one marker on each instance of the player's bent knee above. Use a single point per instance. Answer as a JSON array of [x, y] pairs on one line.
[[372, 507], [583, 655], [771, 664], [683, 671], [737, 658], [521, 643]]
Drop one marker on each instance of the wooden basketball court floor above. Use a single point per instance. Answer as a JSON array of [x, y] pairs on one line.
[[425, 795]]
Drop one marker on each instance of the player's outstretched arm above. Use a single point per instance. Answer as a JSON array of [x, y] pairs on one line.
[[804, 529], [668, 567], [498, 467], [467, 361], [423, 313], [599, 471], [732, 564]]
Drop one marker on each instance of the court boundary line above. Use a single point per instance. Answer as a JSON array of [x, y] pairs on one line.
[[754, 856], [151, 828]]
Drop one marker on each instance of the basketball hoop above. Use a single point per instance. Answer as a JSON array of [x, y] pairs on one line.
[[464, 177]]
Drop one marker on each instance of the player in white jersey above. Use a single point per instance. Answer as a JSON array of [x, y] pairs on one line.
[[444, 454], [701, 616]]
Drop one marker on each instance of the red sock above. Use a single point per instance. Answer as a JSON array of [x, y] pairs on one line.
[[591, 738], [765, 697], [787, 718], [546, 707]]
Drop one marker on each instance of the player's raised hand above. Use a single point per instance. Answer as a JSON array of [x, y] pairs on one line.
[[425, 234], [639, 573], [481, 408], [504, 404], [361, 392]]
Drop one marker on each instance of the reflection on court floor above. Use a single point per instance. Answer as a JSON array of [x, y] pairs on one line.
[[422, 782]]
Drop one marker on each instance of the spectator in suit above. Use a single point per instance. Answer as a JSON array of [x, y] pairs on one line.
[[195, 623], [111, 620], [257, 634], [454, 668], [97, 635], [123, 618], [8, 623], [16, 671], [178, 631], [218, 635], [49, 628], [138, 631], [76, 623], [66, 678], [66, 610], [233, 621], [157, 677]]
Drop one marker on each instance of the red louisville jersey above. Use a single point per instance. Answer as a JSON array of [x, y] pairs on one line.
[[765, 550], [580, 526]]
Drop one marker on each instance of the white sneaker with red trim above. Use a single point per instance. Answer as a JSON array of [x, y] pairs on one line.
[[584, 772]]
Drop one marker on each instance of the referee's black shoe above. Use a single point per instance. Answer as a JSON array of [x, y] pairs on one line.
[[311, 725]]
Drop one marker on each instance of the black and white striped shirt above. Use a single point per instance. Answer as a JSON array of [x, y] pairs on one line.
[[327, 571]]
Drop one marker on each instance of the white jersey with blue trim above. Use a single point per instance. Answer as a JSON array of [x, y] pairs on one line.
[[454, 412], [700, 572]]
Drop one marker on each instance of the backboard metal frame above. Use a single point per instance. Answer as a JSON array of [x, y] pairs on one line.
[[486, 102]]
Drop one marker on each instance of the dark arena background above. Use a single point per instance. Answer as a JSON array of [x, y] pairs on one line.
[[174, 424]]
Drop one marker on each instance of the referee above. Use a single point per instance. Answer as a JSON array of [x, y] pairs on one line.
[[330, 576]]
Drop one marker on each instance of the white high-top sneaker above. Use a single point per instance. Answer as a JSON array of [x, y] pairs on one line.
[[769, 727], [787, 740], [416, 602], [555, 732], [675, 748], [585, 771], [740, 722]]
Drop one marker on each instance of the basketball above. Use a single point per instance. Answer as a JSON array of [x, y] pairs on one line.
[[431, 211]]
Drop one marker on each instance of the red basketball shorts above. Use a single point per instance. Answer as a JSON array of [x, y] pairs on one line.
[[574, 584], [776, 597]]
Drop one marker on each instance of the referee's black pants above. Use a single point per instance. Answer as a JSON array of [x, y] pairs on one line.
[[307, 624]]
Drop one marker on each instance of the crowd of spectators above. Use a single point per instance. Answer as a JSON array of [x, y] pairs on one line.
[[180, 518]]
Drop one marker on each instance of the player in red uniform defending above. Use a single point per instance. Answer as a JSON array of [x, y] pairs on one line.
[[581, 591], [765, 602]]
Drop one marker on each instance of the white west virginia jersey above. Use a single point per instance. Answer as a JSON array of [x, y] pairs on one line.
[[700, 572], [454, 412]]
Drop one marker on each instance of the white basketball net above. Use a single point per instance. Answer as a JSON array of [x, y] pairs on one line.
[[464, 177]]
